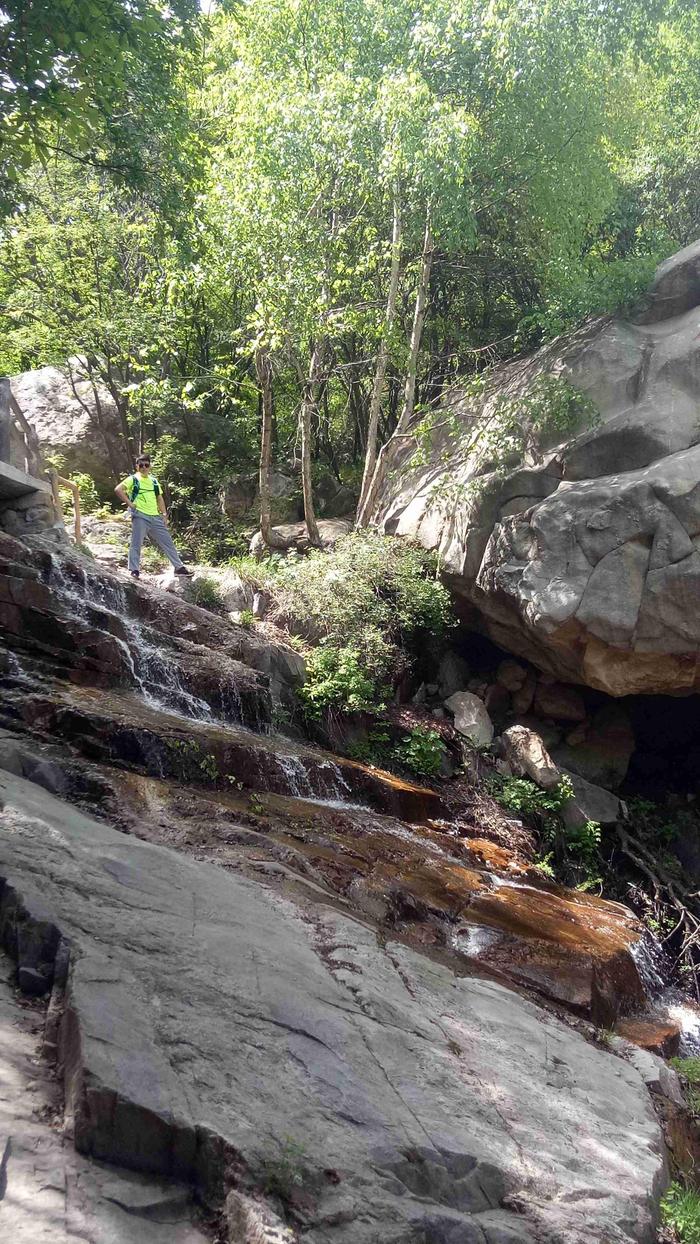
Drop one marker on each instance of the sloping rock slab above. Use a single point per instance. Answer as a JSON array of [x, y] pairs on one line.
[[51, 1193], [207, 1019]]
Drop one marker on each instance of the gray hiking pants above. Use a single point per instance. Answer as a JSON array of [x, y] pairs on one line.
[[151, 525]]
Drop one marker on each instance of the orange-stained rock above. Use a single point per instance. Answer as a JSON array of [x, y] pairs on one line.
[[655, 1035]]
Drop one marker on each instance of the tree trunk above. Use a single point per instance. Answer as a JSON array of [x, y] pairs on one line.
[[263, 371], [308, 405], [409, 397], [382, 360], [116, 467]]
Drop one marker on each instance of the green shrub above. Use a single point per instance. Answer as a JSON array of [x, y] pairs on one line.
[[373, 597], [152, 559], [689, 1068], [211, 537], [541, 809], [422, 752], [283, 1173], [90, 500], [523, 795], [336, 679], [206, 593], [373, 748], [680, 1209]]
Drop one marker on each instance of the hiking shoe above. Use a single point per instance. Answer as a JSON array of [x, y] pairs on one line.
[[184, 570], [135, 574]]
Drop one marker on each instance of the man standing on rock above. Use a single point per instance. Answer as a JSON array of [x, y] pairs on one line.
[[143, 496]]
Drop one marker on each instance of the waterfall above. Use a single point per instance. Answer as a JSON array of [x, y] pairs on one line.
[[156, 678]]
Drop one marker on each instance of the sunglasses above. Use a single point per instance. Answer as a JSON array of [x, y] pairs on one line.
[[144, 462]]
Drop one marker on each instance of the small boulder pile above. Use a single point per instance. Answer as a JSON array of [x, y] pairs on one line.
[[542, 729]]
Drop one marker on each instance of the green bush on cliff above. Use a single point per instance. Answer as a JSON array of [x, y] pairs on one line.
[[206, 593], [373, 605], [335, 679], [421, 752], [689, 1068], [575, 847]]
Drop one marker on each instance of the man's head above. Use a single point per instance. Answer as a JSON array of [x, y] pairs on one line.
[[143, 462]]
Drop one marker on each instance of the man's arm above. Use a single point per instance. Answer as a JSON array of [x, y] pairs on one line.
[[162, 508], [123, 496]]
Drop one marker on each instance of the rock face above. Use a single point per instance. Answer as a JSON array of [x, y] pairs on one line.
[[50, 1192], [585, 557], [200, 1019], [471, 717], [75, 419]]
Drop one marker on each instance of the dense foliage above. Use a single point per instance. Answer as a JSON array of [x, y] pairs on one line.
[[567, 851], [353, 202], [374, 608]]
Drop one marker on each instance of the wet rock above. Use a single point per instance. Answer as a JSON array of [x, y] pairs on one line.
[[653, 1035], [560, 702], [569, 947], [527, 756], [471, 718], [205, 753], [204, 966]]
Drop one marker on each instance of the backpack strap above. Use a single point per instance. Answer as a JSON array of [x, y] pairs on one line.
[[136, 487]]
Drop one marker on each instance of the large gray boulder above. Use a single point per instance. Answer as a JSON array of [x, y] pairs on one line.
[[585, 555], [215, 1031], [74, 418]]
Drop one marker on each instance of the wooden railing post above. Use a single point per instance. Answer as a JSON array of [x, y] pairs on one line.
[[57, 481]]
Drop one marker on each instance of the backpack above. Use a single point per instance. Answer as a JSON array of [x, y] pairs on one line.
[[136, 487]]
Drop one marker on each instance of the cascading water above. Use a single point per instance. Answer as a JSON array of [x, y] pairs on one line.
[[156, 678], [652, 965], [153, 668]]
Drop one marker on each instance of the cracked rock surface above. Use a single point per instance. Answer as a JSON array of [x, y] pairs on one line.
[[211, 1027], [585, 557], [48, 1192]]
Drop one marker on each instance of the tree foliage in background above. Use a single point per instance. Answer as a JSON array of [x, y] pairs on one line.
[[89, 79], [375, 199]]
